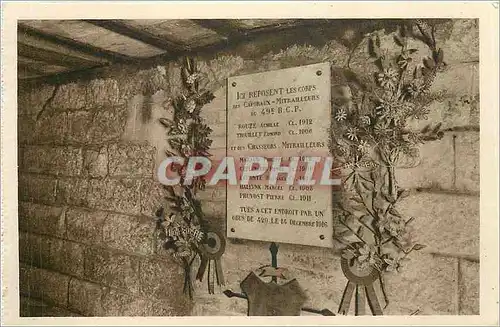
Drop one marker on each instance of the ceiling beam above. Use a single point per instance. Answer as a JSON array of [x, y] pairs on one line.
[[52, 57], [29, 69], [118, 27], [74, 45], [223, 27]]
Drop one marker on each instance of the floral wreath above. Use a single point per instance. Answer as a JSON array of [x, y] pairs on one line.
[[371, 138], [184, 230]]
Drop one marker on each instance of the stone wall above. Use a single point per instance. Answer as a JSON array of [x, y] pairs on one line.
[[88, 150]]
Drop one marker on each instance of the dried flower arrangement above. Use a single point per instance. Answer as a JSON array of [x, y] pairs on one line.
[[184, 232], [371, 138]]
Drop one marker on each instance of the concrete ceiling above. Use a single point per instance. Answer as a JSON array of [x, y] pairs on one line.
[[54, 47]]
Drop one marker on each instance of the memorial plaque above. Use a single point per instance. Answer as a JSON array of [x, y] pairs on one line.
[[284, 113]]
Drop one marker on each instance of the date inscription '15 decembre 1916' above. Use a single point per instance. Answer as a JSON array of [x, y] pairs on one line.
[[283, 113]]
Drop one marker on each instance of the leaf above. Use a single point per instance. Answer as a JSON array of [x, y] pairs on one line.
[[358, 208], [394, 212], [418, 247], [387, 197], [373, 49], [399, 40], [436, 129], [367, 185], [360, 231], [344, 233], [166, 122], [365, 219], [429, 63], [426, 129], [438, 56], [357, 200], [411, 51], [403, 194]]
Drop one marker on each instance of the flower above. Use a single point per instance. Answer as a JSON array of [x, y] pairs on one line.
[[190, 106], [367, 256], [161, 70], [168, 222], [403, 60], [388, 78], [382, 128], [352, 133], [363, 146], [348, 254], [186, 150], [192, 78], [393, 225], [365, 120], [393, 264], [182, 126], [414, 88], [340, 115]]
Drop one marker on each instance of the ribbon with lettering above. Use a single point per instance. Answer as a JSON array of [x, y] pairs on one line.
[[211, 249], [360, 280]]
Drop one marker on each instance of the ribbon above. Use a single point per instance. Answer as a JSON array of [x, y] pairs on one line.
[[212, 247], [359, 283]]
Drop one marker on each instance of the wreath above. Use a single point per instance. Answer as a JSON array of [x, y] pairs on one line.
[[371, 138], [185, 231]]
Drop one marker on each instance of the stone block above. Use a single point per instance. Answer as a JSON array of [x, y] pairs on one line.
[[175, 79], [36, 308], [85, 298], [225, 66], [152, 197], [131, 160], [103, 92], [43, 284], [71, 96], [213, 193], [214, 209], [119, 195], [37, 188], [72, 191], [116, 303], [30, 101], [161, 279], [426, 283], [51, 128], [463, 41], [107, 125], [64, 256], [458, 79], [63, 161], [179, 306], [130, 234], [446, 223], [41, 219], [26, 129], [112, 269], [51, 253], [218, 129], [78, 125], [85, 225], [31, 251], [212, 116], [95, 162], [435, 169], [469, 288], [467, 161], [20, 155], [218, 142]]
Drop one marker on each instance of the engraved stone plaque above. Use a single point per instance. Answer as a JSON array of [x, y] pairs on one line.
[[284, 113]]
